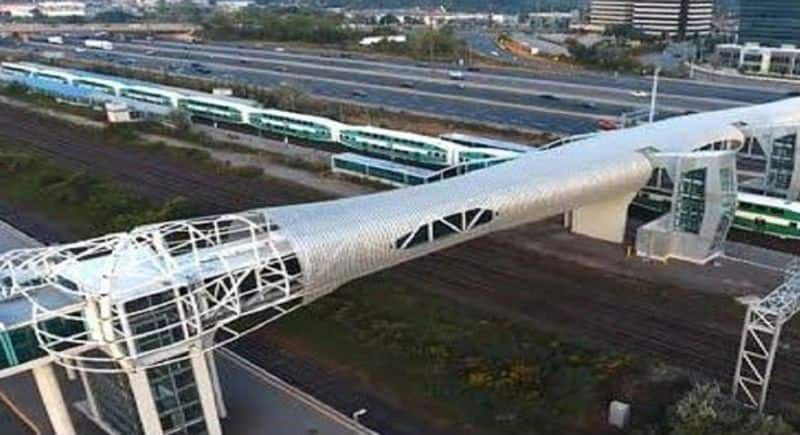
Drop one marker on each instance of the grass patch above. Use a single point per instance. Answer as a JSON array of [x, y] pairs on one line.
[[483, 372], [87, 204]]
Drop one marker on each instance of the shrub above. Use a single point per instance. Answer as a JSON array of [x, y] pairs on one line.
[[706, 410]]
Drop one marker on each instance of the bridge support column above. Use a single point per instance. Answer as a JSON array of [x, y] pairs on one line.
[[604, 220], [53, 399], [145, 403], [205, 389], [212, 365]]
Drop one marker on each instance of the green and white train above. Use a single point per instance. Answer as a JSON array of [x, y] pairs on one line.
[[754, 213], [390, 144]]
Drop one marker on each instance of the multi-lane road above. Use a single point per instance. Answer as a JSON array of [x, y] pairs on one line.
[[563, 103]]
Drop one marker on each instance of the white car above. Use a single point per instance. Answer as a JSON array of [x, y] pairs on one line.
[[639, 94]]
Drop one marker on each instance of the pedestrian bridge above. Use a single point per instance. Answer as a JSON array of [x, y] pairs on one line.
[[148, 296]]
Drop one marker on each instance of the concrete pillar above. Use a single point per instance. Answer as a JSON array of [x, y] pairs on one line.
[[205, 390], [53, 399], [145, 402], [766, 61], [212, 365], [603, 220]]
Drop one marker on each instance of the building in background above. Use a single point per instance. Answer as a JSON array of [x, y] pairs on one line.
[[50, 9], [673, 18], [682, 18], [611, 12], [770, 22], [752, 58]]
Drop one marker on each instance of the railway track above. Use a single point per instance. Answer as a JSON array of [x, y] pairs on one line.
[[153, 175]]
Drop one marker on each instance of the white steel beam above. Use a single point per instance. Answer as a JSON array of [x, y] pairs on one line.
[[145, 402], [53, 399], [205, 389]]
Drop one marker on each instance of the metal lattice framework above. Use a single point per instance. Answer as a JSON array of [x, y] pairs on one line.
[[157, 289], [760, 336]]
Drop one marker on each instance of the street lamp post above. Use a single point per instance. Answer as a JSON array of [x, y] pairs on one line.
[[654, 94]]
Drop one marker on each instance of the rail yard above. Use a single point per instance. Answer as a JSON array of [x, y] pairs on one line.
[[565, 274]]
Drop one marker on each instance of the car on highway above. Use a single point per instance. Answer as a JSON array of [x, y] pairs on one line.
[[588, 105], [607, 124], [548, 97], [455, 75], [151, 52], [281, 68], [640, 94], [409, 85], [359, 93], [199, 68], [280, 49]]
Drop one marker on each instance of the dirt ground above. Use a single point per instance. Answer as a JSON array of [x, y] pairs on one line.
[[534, 275]]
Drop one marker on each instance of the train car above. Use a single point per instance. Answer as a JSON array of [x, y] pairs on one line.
[[56, 76], [481, 154], [763, 214], [485, 142], [15, 69], [216, 108], [400, 145], [313, 128], [151, 95], [110, 87], [415, 148]]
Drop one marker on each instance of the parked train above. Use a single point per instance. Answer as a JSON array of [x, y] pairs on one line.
[[390, 144], [754, 213]]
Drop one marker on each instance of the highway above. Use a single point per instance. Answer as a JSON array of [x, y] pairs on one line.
[[568, 103]]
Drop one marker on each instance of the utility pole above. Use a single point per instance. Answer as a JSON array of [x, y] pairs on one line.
[[654, 94]]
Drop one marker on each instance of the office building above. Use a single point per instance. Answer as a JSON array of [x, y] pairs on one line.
[[673, 18], [769, 22], [611, 12]]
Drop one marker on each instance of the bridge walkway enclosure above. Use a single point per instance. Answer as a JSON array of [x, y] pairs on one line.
[[152, 300]]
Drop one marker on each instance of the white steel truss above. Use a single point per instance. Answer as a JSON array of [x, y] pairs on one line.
[[760, 336], [150, 294]]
